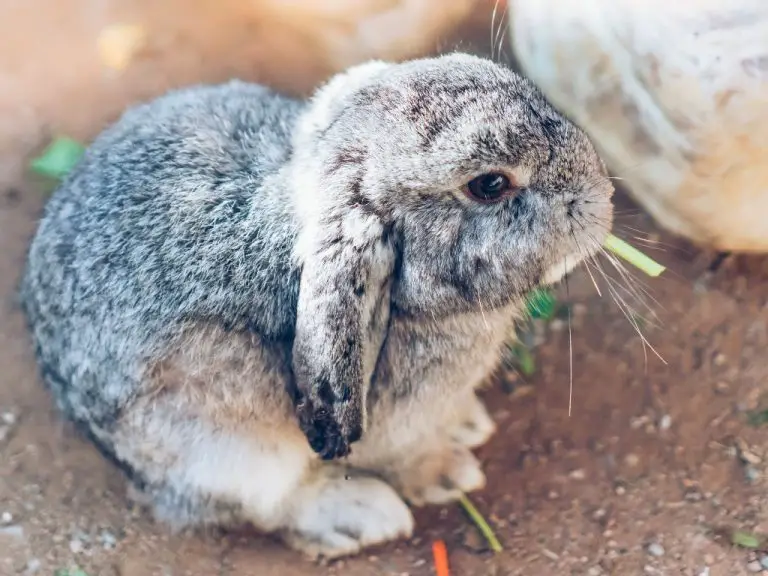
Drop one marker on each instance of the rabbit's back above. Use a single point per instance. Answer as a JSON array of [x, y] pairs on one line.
[[169, 218]]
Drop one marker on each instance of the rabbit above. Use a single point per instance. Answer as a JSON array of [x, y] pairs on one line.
[[279, 313]]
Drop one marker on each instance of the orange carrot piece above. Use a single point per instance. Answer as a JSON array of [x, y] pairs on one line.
[[441, 558]]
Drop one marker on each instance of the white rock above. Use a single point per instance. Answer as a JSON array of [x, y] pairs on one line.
[[14, 531], [75, 546]]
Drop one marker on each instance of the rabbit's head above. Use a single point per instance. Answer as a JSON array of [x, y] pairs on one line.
[[444, 185]]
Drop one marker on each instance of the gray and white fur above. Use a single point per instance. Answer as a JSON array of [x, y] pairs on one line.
[[277, 312]]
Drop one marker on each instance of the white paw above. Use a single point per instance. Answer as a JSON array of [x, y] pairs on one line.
[[348, 514], [475, 427], [441, 477]]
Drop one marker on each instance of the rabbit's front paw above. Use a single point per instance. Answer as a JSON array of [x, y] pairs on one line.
[[475, 427], [348, 514], [440, 477]]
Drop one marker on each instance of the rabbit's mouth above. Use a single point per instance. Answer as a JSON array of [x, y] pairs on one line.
[[556, 272]]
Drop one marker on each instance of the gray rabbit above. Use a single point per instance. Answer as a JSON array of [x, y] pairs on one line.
[[278, 312]]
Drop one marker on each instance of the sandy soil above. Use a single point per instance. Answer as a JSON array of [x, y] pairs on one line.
[[655, 464]]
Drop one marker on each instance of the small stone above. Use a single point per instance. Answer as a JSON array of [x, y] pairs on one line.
[[751, 474], [755, 567], [14, 531], [648, 569], [594, 571], [620, 490], [656, 550], [557, 325], [703, 572], [33, 566], [720, 359], [579, 474], [474, 541], [750, 457], [8, 418], [722, 387], [665, 423], [549, 554], [108, 540], [639, 422], [75, 546], [6, 517], [764, 562], [632, 460]]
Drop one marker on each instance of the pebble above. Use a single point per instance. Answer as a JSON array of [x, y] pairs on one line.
[[656, 550], [14, 531], [755, 567], [764, 562], [75, 546], [703, 572], [722, 387], [474, 541], [751, 474], [632, 460], [594, 571], [108, 540], [665, 423], [578, 474], [33, 566], [549, 554], [6, 518], [557, 325]]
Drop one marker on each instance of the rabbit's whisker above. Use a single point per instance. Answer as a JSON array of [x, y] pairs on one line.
[[570, 342], [482, 313]]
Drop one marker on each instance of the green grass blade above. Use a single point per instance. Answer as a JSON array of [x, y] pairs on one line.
[[58, 159], [633, 256]]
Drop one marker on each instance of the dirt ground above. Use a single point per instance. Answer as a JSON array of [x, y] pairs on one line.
[[655, 465], [658, 463]]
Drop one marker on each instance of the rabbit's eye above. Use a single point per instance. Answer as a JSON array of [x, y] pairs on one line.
[[490, 187]]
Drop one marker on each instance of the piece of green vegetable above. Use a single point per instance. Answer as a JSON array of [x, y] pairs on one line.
[[481, 523], [58, 158], [524, 357], [69, 572], [633, 256], [745, 540], [542, 304]]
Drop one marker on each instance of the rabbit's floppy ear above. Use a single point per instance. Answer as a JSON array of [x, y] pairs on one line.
[[346, 253], [342, 316]]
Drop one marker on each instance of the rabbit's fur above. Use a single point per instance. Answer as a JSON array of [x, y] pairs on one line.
[[234, 289]]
